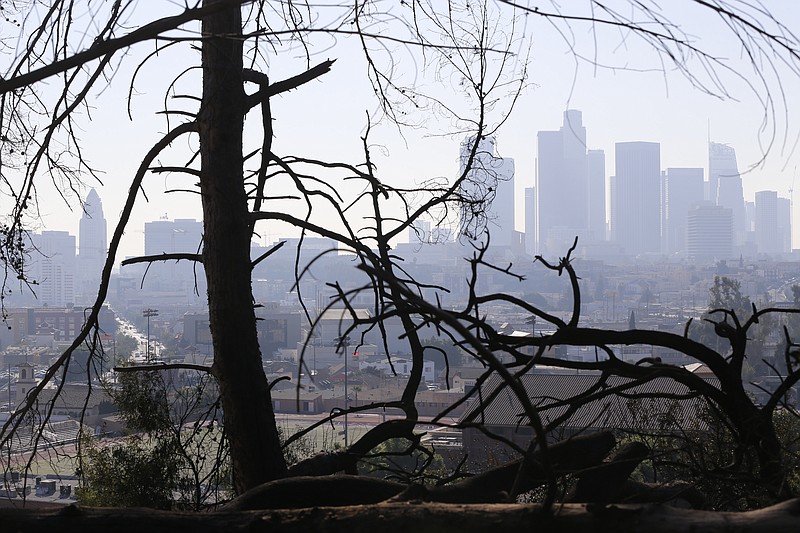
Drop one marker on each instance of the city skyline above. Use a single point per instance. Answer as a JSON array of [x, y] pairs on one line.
[[666, 231], [626, 97]]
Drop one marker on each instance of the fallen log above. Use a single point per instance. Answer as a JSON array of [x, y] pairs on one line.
[[493, 485], [409, 516]]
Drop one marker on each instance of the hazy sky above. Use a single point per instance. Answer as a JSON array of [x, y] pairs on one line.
[[638, 100]]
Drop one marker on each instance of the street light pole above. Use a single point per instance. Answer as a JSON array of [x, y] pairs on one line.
[[147, 313], [346, 395]]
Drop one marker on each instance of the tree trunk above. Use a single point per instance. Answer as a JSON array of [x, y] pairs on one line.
[[771, 463], [249, 420], [757, 433]]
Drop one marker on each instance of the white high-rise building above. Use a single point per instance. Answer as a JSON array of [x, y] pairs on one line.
[[709, 232], [174, 236], [53, 267], [768, 240], [490, 184], [170, 236], [636, 198], [93, 246]]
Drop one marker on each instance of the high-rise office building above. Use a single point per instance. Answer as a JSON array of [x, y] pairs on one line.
[[636, 198], [93, 246], [490, 182], [171, 236], [174, 236], [767, 238], [530, 221], [709, 232], [419, 232], [596, 164], [683, 189], [562, 185], [53, 266], [785, 224], [725, 186]]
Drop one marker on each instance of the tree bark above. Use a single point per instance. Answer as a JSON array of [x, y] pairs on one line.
[[249, 419]]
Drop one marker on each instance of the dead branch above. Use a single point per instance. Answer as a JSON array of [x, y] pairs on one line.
[[197, 258]]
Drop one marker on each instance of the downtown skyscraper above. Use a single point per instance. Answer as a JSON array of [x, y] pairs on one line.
[[491, 178], [773, 232], [92, 246], [682, 191], [165, 236], [53, 267], [636, 198], [570, 190], [725, 186]]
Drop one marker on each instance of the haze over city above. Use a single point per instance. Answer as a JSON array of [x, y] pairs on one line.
[[622, 87], [277, 255]]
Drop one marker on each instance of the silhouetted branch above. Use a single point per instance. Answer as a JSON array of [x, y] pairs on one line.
[[175, 256]]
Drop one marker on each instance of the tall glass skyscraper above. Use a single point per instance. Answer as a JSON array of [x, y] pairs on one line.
[[562, 185], [636, 198], [725, 186]]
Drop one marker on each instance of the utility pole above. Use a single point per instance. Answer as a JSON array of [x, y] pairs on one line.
[[344, 342]]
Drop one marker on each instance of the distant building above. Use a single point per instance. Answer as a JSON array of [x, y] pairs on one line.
[[562, 185], [636, 198], [725, 186], [276, 330], [26, 381], [683, 189], [768, 240], [60, 324], [283, 259], [785, 225], [531, 247], [419, 232], [53, 267], [400, 366], [709, 232], [596, 160], [490, 183], [93, 247], [168, 237]]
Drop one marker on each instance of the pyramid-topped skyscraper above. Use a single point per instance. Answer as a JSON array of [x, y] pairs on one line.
[[92, 246]]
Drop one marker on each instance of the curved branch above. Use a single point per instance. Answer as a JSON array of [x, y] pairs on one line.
[[294, 82], [105, 47]]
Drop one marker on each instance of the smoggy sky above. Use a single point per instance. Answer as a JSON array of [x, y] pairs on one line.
[[642, 98]]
